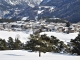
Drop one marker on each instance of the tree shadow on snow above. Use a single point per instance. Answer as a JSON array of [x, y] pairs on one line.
[[13, 55]]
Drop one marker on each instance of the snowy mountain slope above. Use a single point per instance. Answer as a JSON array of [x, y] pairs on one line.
[[29, 2], [17, 9], [25, 55], [14, 9], [65, 9]]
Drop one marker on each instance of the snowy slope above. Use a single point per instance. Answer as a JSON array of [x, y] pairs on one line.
[[16, 9], [29, 2], [25, 55], [62, 36], [21, 35], [14, 2], [24, 36]]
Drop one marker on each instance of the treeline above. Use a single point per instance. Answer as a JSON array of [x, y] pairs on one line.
[[53, 19], [56, 20], [7, 20], [42, 43], [10, 44]]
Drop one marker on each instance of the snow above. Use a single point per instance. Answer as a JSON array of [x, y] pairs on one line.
[[11, 3], [31, 5], [21, 35], [62, 36], [51, 9], [24, 18], [25, 55], [40, 11], [48, 0], [5, 12]]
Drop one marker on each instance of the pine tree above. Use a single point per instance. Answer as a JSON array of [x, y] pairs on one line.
[[75, 45], [44, 43], [17, 44], [10, 43], [39, 43], [3, 45], [58, 46]]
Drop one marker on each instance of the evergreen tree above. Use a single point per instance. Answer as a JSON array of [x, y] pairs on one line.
[[75, 45], [18, 44], [3, 45], [10, 43], [39, 43], [54, 42], [43, 43], [58, 46]]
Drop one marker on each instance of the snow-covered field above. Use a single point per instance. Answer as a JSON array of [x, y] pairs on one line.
[[24, 36], [62, 36], [21, 35], [25, 55]]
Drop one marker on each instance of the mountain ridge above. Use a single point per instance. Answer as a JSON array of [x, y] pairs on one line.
[[64, 9]]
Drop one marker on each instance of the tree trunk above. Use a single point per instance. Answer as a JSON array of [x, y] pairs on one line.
[[39, 54]]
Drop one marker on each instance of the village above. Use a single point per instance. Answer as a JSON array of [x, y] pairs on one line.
[[39, 26]]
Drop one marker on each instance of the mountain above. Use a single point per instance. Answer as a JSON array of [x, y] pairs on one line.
[[31, 3], [17, 9], [65, 9]]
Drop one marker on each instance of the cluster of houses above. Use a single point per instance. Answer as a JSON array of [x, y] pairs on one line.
[[39, 26]]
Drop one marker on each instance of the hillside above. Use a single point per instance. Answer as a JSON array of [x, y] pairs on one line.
[[65, 9]]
